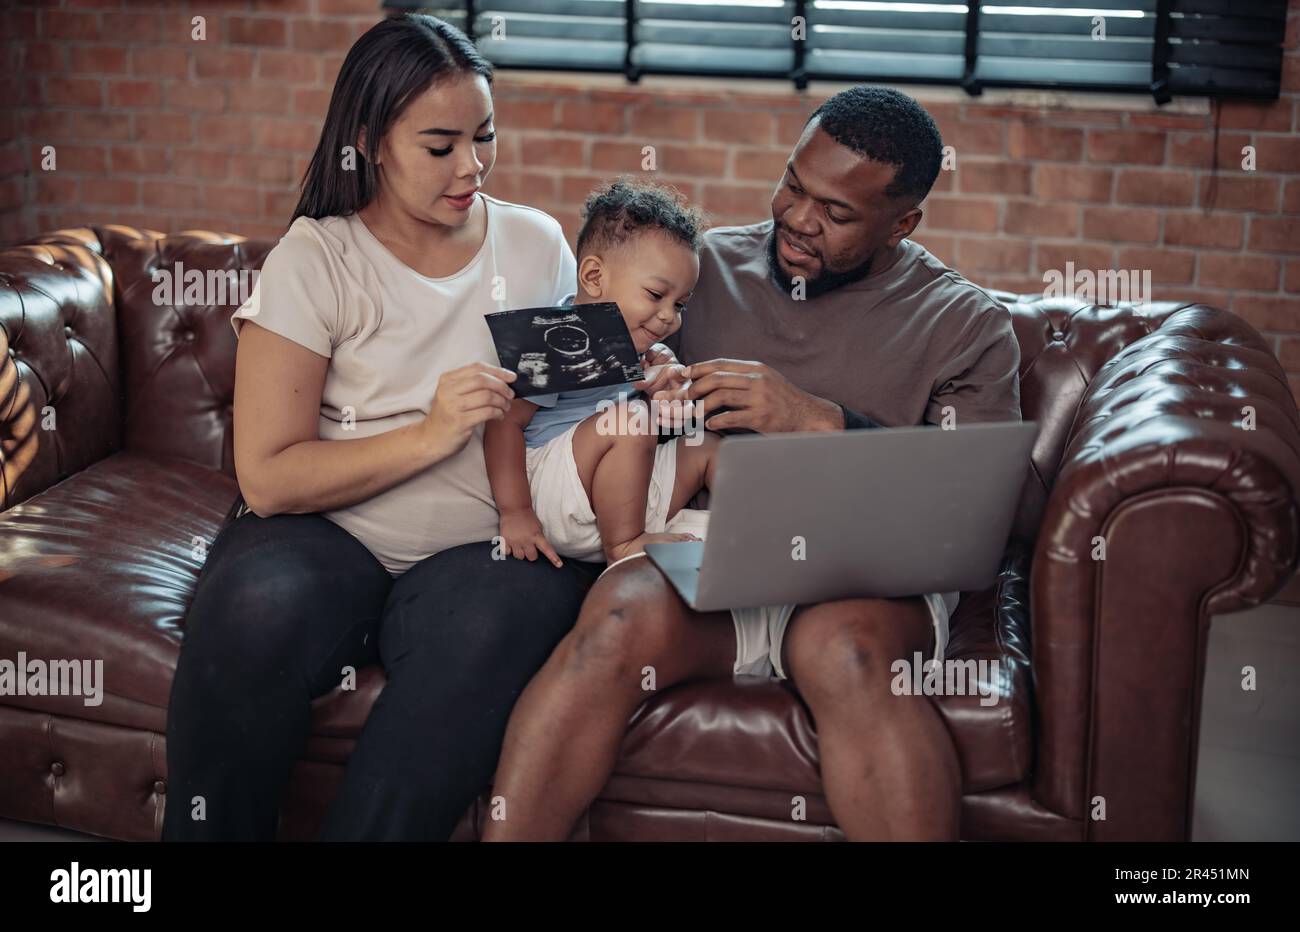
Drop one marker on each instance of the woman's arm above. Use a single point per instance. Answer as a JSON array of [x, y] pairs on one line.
[[285, 468]]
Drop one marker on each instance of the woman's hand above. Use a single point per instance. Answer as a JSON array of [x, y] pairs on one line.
[[465, 398], [523, 537]]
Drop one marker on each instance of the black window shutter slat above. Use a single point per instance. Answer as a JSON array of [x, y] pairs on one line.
[[1259, 9], [1215, 48], [970, 51], [630, 69]]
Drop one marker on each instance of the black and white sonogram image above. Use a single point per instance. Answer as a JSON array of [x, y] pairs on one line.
[[564, 349]]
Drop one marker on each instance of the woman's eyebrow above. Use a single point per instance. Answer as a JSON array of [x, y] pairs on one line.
[[451, 132]]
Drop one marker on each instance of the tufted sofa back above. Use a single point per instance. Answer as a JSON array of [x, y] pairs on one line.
[[82, 334], [60, 409]]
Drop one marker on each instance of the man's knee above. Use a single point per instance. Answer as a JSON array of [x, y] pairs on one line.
[[850, 645], [623, 625]]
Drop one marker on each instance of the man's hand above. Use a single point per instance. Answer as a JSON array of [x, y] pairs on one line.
[[759, 399], [523, 536]]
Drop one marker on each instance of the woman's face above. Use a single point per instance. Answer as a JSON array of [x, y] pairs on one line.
[[438, 153]]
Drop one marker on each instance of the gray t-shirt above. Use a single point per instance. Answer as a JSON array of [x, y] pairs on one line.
[[898, 346]]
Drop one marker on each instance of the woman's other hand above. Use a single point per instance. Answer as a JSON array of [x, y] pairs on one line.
[[465, 398], [522, 533]]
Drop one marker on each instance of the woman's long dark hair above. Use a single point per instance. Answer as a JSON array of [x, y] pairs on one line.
[[395, 60]]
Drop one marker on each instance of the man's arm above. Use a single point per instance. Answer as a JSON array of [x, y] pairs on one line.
[[981, 383], [735, 393], [855, 421]]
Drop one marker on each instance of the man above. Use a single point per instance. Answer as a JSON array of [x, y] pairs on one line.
[[856, 326]]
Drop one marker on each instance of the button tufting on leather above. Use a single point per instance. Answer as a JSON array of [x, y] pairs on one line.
[[12, 352], [56, 768], [67, 330], [160, 787], [188, 336], [1058, 335]]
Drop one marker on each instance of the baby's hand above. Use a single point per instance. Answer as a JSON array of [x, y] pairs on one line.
[[523, 536], [662, 371], [674, 404], [662, 378], [659, 354]]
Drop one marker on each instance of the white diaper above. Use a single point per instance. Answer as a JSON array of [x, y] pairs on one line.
[[561, 504]]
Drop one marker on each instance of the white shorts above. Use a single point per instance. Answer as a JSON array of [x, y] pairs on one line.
[[760, 632], [560, 499]]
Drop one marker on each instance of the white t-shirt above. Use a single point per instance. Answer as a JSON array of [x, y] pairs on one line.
[[389, 333]]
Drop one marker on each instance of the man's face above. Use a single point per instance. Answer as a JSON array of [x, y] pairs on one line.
[[830, 215]]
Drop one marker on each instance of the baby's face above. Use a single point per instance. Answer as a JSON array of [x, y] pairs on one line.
[[651, 278]]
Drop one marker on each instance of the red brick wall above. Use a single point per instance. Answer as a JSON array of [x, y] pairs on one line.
[[153, 129]]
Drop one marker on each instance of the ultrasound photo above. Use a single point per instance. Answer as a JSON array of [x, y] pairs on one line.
[[564, 349]]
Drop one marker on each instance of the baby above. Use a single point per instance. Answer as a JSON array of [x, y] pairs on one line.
[[582, 473]]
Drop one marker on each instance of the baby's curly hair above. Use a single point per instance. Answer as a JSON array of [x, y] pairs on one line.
[[626, 207]]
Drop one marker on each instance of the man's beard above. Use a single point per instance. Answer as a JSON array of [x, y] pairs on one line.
[[814, 287]]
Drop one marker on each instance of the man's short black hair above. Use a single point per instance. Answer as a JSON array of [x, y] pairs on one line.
[[627, 207], [887, 126]]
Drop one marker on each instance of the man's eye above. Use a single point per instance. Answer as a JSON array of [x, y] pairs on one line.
[[834, 219]]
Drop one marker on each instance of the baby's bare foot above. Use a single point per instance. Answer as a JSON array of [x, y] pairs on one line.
[[637, 544]]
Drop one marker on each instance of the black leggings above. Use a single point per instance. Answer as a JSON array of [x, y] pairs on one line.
[[282, 606]]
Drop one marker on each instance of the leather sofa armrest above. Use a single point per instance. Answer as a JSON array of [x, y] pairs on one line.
[[60, 405], [1176, 500]]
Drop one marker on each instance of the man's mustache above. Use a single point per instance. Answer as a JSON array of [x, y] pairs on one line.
[[798, 241]]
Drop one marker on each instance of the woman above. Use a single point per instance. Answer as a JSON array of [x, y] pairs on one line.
[[364, 376]]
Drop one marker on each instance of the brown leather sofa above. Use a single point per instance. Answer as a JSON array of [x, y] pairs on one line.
[[1144, 443]]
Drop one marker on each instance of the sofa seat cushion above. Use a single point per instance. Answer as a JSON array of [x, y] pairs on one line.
[[102, 566]]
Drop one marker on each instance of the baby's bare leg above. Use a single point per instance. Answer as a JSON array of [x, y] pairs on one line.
[[615, 469], [694, 468]]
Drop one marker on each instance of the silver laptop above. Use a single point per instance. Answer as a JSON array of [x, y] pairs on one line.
[[810, 517]]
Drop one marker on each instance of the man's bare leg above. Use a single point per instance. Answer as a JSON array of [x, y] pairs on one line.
[[889, 768], [565, 732]]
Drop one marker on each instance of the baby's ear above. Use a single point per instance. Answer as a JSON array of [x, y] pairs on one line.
[[591, 276]]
